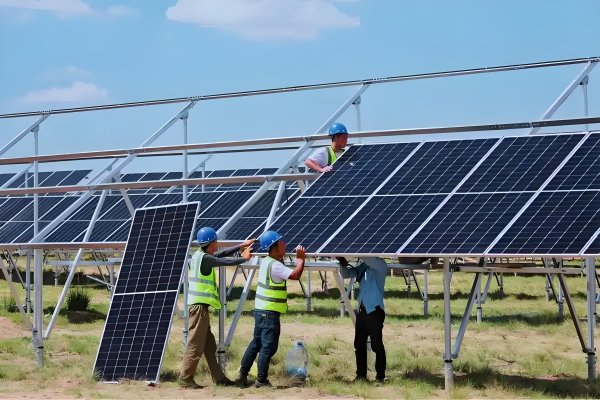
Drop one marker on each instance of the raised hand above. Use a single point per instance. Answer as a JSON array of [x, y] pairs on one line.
[[246, 253], [300, 252]]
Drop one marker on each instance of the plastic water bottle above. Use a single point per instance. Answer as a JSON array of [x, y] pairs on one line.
[[296, 360]]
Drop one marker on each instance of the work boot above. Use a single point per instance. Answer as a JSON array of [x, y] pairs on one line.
[[264, 383], [225, 382], [360, 378], [189, 383], [242, 381]]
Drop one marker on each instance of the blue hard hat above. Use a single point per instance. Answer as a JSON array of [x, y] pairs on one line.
[[206, 235], [337, 128], [268, 239]]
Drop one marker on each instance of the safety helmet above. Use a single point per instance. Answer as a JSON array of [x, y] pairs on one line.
[[337, 128], [206, 235], [268, 239]]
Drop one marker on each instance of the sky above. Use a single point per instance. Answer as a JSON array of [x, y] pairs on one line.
[[71, 53]]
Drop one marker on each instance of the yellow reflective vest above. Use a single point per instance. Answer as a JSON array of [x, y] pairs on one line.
[[270, 296], [202, 288], [331, 157]]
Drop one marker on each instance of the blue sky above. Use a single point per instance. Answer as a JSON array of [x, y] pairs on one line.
[[71, 53]]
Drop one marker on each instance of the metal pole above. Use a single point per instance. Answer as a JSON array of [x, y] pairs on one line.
[[28, 283], [222, 315], [308, 293], [358, 120], [185, 156], [591, 318], [425, 294], [448, 370], [478, 294], [38, 271], [584, 85], [238, 311]]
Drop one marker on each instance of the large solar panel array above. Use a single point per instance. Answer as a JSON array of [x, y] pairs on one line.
[[139, 319], [527, 195]]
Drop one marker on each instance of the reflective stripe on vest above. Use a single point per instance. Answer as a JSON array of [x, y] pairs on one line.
[[270, 296], [331, 157], [202, 288]]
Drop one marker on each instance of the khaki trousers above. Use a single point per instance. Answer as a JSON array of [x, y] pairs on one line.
[[200, 341]]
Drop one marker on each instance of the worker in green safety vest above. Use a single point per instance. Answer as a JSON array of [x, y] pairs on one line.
[[270, 302], [202, 294], [322, 159]]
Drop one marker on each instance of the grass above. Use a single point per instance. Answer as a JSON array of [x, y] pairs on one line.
[[520, 350]]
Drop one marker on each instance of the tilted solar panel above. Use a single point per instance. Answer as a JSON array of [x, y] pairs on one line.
[[581, 171], [140, 315]]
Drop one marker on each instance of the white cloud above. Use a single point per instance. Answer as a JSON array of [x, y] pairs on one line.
[[264, 19], [76, 93], [62, 8], [121, 11]]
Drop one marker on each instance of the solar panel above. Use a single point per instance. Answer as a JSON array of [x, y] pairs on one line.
[[467, 223], [581, 171], [437, 167], [554, 223], [594, 248], [520, 163], [227, 204], [244, 227], [383, 224], [5, 178], [140, 315], [310, 221], [360, 170]]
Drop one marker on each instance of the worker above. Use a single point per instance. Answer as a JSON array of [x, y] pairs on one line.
[[202, 294], [322, 159], [269, 304], [370, 273]]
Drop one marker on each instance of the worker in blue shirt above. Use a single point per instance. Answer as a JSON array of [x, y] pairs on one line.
[[370, 273]]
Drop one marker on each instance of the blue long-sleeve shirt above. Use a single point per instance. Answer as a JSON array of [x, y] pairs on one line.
[[370, 274]]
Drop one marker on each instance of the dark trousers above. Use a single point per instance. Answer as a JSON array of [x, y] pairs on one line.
[[264, 343], [369, 325]]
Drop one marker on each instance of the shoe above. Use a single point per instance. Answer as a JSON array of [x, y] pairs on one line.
[[225, 382], [242, 381], [189, 383], [265, 383], [382, 380], [361, 378]]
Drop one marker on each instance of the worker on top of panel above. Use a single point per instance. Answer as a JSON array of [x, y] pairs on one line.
[[370, 273], [202, 294], [321, 160], [270, 302]]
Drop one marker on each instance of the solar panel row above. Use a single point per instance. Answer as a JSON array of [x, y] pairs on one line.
[[496, 196]]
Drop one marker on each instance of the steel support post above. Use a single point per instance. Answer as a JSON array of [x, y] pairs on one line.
[[221, 359], [591, 316], [474, 294], [28, 282], [38, 307], [584, 85], [425, 293], [340, 284], [308, 293], [184, 171], [448, 369]]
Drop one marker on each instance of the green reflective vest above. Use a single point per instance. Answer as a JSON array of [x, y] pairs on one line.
[[202, 288], [270, 296], [331, 157]]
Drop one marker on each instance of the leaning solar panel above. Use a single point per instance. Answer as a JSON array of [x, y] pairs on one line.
[[555, 223], [594, 248], [140, 316]]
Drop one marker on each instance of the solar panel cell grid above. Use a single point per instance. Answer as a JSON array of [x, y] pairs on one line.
[[383, 224], [467, 223], [555, 223], [437, 167], [581, 171], [520, 164]]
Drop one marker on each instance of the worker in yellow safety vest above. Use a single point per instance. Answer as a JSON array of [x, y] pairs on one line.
[[322, 159], [269, 304], [202, 294]]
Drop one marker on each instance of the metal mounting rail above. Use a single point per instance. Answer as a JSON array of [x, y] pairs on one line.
[[370, 81]]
